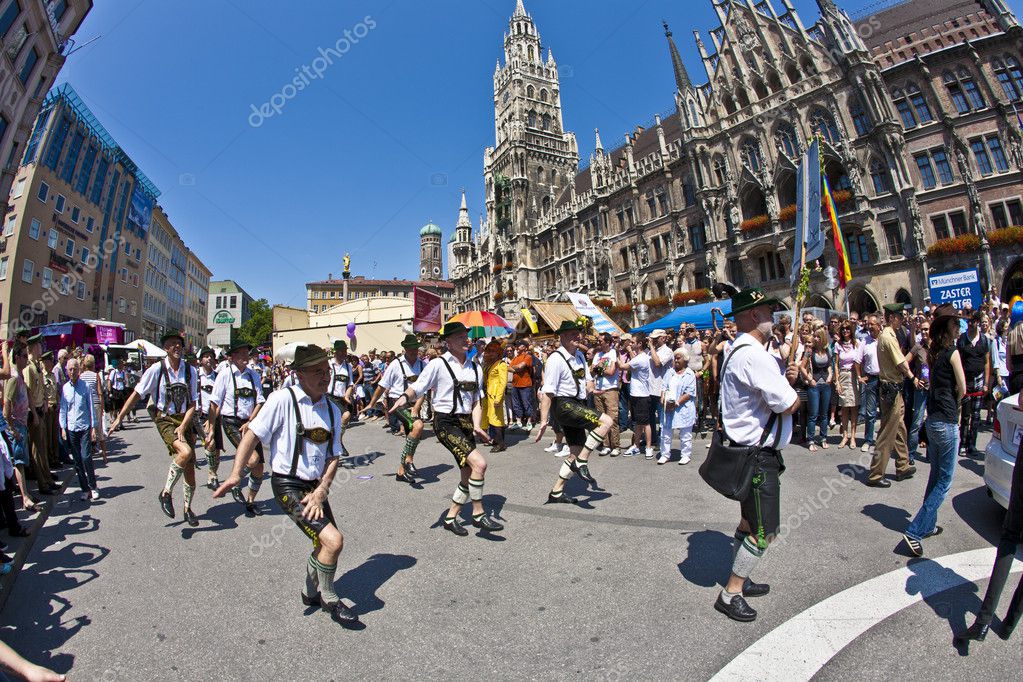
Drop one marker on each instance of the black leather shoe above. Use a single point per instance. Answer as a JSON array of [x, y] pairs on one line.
[[879, 483], [252, 510], [560, 499], [976, 632], [738, 610], [583, 469], [311, 601], [47, 491], [751, 589], [166, 504], [340, 613], [486, 523], [189, 517], [236, 493], [456, 527], [411, 470], [908, 473], [404, 478]]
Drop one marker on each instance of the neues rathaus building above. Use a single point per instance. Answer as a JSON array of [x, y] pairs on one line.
[[915, 105]]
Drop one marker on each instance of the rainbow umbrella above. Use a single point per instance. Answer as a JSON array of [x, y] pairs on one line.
[[481, 323]]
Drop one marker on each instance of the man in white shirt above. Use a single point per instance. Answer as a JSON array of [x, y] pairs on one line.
[[174, 388], [301, 429], [640, 380], [214, 444], [235, 401], [75, 419], [869, 382], [660, 363], [604, 369], [402, 371], [456, 383], [342, 381], [757, 403], [566, 380]]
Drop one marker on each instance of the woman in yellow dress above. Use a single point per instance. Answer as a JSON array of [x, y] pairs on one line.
[[495, 373]]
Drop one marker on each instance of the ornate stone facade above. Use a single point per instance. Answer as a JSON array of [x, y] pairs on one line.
[[706, 193]]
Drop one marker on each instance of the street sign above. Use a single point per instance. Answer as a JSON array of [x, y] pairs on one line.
[[223, 317], [956, 288]]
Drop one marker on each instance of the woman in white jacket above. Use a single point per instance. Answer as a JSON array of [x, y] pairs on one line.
[[678, 398]]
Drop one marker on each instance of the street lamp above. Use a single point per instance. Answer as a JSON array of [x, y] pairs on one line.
[[642, 312]]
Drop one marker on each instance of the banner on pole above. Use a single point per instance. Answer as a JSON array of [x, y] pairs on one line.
[[582, 303], [426, 311], [808, 212], [956, 287]]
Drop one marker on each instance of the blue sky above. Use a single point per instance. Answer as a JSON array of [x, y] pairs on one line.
[[361, 158]]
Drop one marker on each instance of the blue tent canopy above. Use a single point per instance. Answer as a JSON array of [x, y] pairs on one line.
[[693, 314]]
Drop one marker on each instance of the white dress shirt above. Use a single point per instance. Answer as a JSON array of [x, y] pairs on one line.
[[869, 362], [340, 378], [752, 387], [436, 377], [558, 374], [275, 427], [639, 383], [188, 391], [75, 406], [396, 376], [206, 382], [601, 381], [227, 401]]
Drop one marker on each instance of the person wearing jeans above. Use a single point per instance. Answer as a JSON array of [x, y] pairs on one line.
[[76, 427], [947, 387], [818, 368], [869, 383]]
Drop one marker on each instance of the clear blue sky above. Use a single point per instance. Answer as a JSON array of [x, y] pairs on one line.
[[361, 158]]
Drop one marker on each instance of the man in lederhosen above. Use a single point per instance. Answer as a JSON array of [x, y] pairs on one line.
[[402, 371], [342, 384], [174, 388], [302, 432], [757, 402], [213, 435], [566, 383], [456, 383], [236, 399]]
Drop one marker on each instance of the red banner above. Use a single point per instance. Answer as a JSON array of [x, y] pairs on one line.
[[426, 311]]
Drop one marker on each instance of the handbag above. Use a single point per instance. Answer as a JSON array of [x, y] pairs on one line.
[[729, 468]]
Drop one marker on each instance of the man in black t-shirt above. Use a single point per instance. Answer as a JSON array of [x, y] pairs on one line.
[[975, 353]]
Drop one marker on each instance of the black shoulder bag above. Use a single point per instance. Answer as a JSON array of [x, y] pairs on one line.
[[729, 468]]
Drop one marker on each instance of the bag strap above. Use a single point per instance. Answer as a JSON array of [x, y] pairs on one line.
[[772, 421], [456, 393], [299, 430]]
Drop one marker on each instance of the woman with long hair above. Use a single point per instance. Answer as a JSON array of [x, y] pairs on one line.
[[819, 375], [946, 390], [848, 357]]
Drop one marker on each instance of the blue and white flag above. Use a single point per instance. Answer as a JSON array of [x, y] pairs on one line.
[[808, 211]]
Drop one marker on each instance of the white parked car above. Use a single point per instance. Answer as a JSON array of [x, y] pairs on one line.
[[1000, 455]]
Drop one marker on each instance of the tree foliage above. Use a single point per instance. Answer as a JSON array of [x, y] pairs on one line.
[[259, 327]]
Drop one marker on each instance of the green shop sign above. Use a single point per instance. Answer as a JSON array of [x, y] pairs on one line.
[[223, 317]]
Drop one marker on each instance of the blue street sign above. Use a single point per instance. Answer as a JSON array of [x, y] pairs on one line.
[[956, 288]]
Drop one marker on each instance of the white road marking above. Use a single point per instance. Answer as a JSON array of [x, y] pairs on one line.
[[798, 648]]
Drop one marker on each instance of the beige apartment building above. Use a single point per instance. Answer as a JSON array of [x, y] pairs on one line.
[[197, 288], [36, 37], [77, 226]]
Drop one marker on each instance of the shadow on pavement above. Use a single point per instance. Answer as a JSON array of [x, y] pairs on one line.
[[363, 460], [853, 471], [361, 583], [953, 605], [972, 465], [893, 518], [983, 514], [708, 552], [431, 474]]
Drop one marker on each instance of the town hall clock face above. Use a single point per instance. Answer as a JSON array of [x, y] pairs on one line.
[[436, 271], [422, 271]]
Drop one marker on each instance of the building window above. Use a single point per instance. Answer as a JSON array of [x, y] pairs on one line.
[[85, 254], [76, 214], [944, 168], [122, 305], [124, 275], [894, 237], [26, 68], [9, 225], [823, 123], [981, 155], [90, 224], [127, 249], [860, 117], [3, 268], [58, 203], [8, 17], [19, 189], [750, 152], [64, 285], [44, 192], [963, 91], [1006, 214], [941, 225], [138, 255], [234, 302], [923, 162], [688, 193], [80, 294], [905, 110], [856, 245], [1010, 76], [47, 278], [28, 270], [33, 229], [51, 238], [923, 111], [879, 174], [69, 248], [771, 267], [998, 154], [698, 236], [787, 140]]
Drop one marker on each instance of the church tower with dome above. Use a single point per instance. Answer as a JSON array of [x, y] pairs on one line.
[[431, 262]]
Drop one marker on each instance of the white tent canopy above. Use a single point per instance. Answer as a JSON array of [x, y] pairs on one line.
[[150, 349]]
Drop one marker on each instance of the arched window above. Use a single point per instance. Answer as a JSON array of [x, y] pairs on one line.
[[531, 119], [860, 117], [750, 152], [729, 104], [554, 177], [543, 95], [905, 110], [1010, 76], [694, 116], [719, 169], [742, 97], [773, 81], [823, 123], [532, 53], [879, 174], [792, 73], [539, 173], [530, 91], [760, 89], [919, 102], [545, 122], [787, 140], [963, 90], [546, 205]]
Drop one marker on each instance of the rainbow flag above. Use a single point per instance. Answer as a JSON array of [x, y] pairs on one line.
[[844, 274]]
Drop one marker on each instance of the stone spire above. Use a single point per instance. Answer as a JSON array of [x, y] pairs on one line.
[[463, 214], [600, 145], [681, 75], [520, 10]]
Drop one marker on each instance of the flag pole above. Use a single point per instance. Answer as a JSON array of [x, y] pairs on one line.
[[803, 285]]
